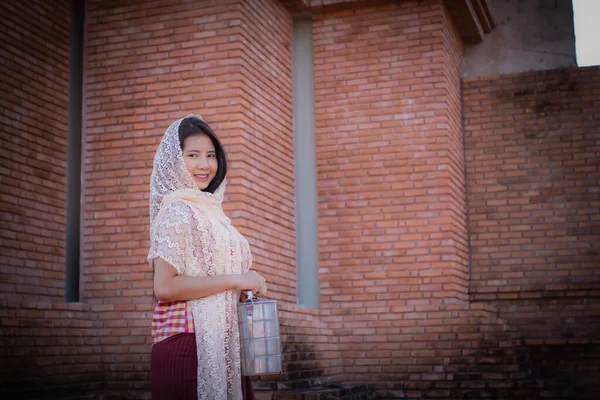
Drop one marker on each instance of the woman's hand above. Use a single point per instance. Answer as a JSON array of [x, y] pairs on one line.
[[251, 280], [263, 287]]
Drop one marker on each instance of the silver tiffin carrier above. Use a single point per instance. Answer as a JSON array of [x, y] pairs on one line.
[[259, 337]]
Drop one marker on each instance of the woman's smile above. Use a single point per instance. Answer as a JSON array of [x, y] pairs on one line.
[[201, 178]]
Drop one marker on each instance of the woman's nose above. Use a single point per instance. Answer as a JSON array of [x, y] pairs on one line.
[[202, 162]]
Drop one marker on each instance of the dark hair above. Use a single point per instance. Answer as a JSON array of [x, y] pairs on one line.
[[194, 126]]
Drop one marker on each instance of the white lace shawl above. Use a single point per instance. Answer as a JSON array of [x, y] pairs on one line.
[[189, 230]]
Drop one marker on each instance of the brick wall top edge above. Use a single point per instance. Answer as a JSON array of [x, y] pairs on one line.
[[323, 6], [549, 72]]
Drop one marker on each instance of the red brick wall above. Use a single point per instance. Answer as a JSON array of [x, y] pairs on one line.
[[452, 156], [388, 195], [392, 220], [34, 86], [554, 320], [51, 348], [44, 343], [533, 183]]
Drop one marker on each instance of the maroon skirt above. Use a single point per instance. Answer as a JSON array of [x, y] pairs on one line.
[[174, 366]]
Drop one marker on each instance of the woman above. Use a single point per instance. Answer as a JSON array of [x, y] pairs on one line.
[[201, 263]]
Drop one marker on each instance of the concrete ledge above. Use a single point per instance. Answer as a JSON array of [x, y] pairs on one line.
[[466, 19]]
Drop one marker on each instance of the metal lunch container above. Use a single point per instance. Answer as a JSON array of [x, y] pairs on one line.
[[259, 337]]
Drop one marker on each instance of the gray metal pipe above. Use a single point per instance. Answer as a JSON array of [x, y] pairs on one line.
[[307, 241]]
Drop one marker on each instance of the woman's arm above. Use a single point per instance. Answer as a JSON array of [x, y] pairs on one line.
[[168, 286]]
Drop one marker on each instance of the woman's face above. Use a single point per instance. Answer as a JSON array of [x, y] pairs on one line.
[[200, 159]]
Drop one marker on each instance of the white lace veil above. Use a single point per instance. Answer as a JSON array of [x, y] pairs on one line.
[[170, 175]]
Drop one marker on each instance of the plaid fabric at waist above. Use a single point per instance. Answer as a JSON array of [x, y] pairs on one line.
[[171, 318]]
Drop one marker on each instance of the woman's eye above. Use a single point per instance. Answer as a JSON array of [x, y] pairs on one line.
[[212, 155]]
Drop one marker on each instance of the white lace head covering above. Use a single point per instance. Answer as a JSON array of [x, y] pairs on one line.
[[170, 177]]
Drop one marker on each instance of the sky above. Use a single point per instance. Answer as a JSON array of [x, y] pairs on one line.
[[587, 32]]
